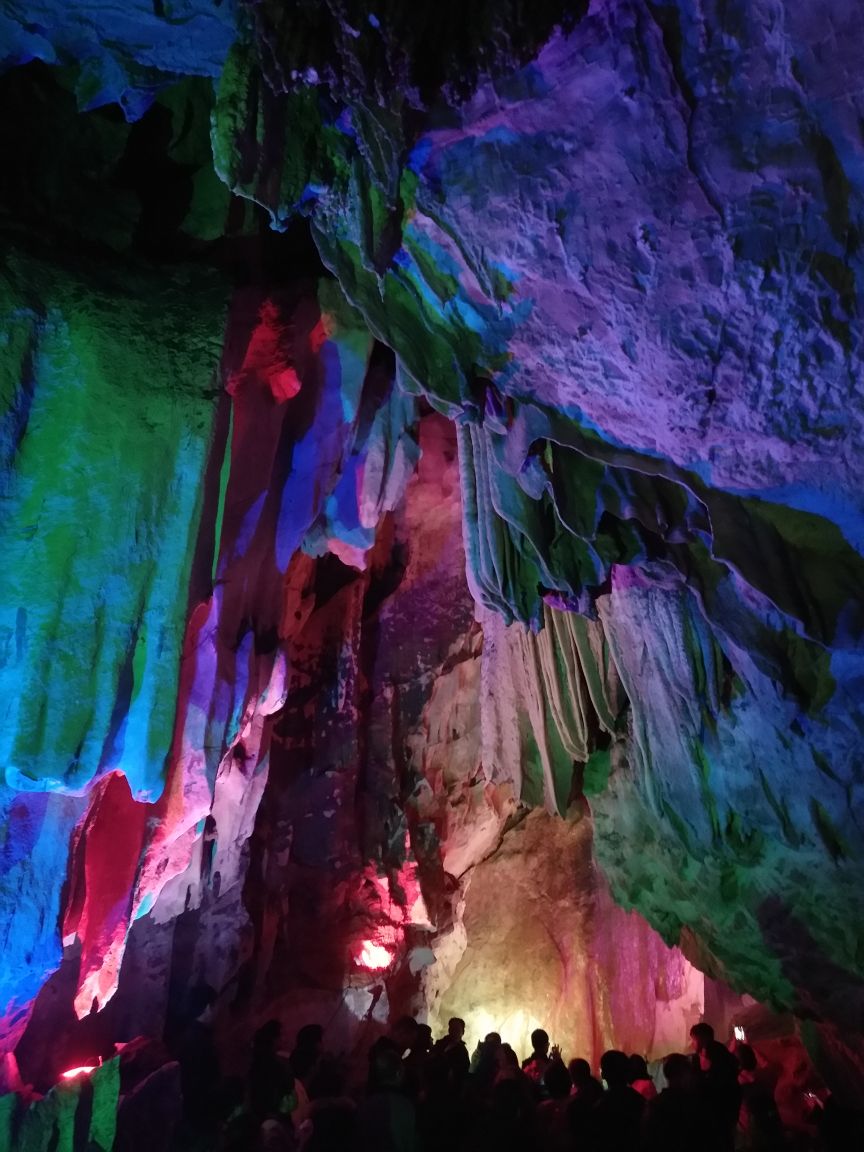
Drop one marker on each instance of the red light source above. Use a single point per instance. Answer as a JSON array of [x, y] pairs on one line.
[[284, 384], [373, 956], [74, 1073]]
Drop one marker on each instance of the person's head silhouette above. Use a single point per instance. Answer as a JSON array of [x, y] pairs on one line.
[[701, 1035], [678, 1072], [638, 1068], [455, 1028], [580, 1071], [556, 1080], [615, 1068]]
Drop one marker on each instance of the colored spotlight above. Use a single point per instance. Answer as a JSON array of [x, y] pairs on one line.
[[74, 1073], [374, 956]]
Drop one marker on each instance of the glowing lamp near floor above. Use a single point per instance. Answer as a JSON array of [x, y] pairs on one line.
[[74, 1073], [373, 956]]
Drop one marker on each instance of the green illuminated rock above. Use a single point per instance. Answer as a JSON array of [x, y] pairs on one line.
[[108, 392]]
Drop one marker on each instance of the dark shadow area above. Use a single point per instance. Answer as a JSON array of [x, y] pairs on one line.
[[85, 182], [830, 997]]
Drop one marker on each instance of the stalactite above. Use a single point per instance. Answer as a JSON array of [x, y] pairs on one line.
[[629, 273]]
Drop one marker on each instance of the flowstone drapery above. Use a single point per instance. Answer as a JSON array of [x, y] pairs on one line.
[[610, 285]]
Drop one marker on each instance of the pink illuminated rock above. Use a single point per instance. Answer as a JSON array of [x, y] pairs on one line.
[[105, 863]]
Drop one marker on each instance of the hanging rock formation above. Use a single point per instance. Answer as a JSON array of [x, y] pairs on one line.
[[620, 262]]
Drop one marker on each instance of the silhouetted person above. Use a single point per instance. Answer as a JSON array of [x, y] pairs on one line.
[[553, 1128], [332, 1114], [721, 1092], [616, 1117], [400, 1039], [586, 1088], [271, 1082], [417, 1060], [537, 1063], [450, 1051], [701, 1035], [199, 1063], [676, 1120], [440, 1117], [584, 1094], [640, 1080], [423, 1039], [507, 1064], [208, 849], [386, 1120], [307, 1050], [303, 1062], [404, 1034], [484, 1065], [488, 1045], [454, 1038], [759, 1120], [512, 1106]]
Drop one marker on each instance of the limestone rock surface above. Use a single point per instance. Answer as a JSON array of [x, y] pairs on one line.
[[628, 273]]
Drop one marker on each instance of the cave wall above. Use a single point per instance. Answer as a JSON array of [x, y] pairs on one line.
[[595, 977], [393, 816], [96, 552], [261, 471], [335, 771], [629, 273]]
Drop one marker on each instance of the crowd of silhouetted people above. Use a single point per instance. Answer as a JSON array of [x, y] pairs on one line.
[[422, 1095]]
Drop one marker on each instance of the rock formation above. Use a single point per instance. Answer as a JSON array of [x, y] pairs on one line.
[[428, 470]]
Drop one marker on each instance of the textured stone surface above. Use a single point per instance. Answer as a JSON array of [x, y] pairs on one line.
[[634, 280], [630, 275], [593, 976], [91, 619], [124, 53], [198, 756], [89, 383], [358, 814]]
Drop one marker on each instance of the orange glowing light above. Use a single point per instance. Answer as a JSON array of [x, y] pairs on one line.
[[374, 956], [84, 1070]]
